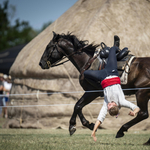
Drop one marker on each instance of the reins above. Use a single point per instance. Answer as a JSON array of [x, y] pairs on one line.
[[66, 56], [55, 64]]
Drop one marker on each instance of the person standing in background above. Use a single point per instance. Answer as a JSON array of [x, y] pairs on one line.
[[1, 92], [7, 88]]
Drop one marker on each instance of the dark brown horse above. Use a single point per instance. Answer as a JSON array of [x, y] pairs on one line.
[[80, 53]]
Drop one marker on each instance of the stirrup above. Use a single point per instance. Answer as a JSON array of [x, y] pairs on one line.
[[124, 52], [105, 50]]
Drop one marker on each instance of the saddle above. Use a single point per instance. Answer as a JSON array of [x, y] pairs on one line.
[[124, 60], [123, 65]]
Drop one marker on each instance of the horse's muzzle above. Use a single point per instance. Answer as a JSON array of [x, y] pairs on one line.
[[44, 65], [41, 65]]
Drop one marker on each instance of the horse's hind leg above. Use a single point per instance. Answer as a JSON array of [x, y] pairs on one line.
[[142, 101], [84, 100], [147, 143]]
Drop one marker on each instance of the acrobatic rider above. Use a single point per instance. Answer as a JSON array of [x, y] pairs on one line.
[[114, 97]]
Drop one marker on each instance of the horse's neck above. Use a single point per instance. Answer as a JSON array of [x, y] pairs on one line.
[[79, 60]]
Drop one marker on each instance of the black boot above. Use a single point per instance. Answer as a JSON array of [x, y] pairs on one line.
[[116, 41]]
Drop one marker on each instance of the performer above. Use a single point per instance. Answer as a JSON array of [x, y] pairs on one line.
[[114, 97]]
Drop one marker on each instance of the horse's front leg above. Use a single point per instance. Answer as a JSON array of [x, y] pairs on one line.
[[142, 101], [84, 100]]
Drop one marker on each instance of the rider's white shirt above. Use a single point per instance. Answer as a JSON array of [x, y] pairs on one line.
[[114, 93]]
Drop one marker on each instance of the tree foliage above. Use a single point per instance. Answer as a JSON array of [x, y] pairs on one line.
[[12, 35]]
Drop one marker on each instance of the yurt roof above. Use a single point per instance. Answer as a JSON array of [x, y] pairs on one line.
[[93, 20]]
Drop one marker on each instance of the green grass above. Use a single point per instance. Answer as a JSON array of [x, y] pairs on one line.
[[59, 139]]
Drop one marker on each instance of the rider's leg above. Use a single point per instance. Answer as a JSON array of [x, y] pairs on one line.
[[111, 66]]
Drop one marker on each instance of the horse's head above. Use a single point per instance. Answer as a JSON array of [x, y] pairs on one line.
[[70, 46], [52, 53]]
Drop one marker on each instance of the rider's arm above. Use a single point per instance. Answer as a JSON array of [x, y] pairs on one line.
[[97, 124], [134, 112], [135, 109], [103, 112], [100, 119]]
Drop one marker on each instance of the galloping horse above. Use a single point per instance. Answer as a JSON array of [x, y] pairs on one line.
[[80, 53]]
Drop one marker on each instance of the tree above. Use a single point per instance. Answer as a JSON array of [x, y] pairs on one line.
[[20, 33]]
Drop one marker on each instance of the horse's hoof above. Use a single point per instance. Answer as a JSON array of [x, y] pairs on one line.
[[119, 135], [72, 130], [147, 143]]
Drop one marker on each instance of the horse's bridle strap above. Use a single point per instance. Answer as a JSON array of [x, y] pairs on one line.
[[88, 64], [66, 56]]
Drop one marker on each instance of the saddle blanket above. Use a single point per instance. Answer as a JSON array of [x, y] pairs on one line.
[[124, 76]]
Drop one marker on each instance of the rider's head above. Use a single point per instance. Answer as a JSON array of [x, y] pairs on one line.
[[113, 109]]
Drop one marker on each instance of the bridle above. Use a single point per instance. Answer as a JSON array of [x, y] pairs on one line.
[[65, 55], [55, 64], [60, 50]]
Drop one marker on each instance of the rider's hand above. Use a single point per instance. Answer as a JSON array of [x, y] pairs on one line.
[[94, 137], [131, 113]]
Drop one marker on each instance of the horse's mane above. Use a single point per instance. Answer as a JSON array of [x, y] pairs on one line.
[[79, 44]]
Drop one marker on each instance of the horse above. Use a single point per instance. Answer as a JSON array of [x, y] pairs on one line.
[[80, 53]]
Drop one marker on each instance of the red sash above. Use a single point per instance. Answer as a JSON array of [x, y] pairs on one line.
[[111, 81]]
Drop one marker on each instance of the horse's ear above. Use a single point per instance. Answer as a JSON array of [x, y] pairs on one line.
[[55, 36]]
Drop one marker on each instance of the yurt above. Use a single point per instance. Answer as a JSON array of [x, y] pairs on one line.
[[46, 98]]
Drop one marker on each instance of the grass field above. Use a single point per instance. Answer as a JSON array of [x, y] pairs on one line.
[[59, 139]]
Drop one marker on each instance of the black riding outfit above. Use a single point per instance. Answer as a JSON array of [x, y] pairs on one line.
[[109, 70]]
